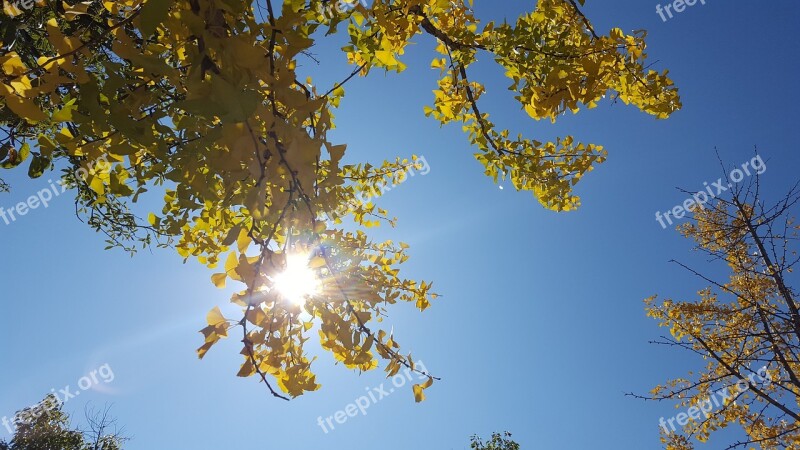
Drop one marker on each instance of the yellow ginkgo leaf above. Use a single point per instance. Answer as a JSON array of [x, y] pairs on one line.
[[219, 280], [215, 317]]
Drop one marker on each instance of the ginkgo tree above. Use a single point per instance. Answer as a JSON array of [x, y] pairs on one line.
[[202, 101], [745, 331]]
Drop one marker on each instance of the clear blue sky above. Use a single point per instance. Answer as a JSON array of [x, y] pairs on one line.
[[541, 327]]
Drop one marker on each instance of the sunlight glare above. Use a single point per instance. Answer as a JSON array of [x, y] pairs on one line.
[[298, 281]]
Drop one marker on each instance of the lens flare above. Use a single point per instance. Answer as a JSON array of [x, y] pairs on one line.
[[298, 281]]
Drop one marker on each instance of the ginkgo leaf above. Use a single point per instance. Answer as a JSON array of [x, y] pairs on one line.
[[219, 280], [247, 369], [419, 389], [215, 317], [386, 58], [153, 12], [231, 263], [39, 164], [65, 113], [317, 262], [13, 157], [25, 108]]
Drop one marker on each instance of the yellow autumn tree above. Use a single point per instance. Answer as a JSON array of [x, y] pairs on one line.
[[745, 331], [201, 100]]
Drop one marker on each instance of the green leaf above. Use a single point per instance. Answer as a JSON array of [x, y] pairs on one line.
[[65, 114], [153, 13], [16, 158], [39, 164]]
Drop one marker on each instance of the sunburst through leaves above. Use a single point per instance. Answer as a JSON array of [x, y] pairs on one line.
[[298, 281]]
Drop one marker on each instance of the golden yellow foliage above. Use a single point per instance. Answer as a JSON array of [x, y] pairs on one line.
[[201, 100]]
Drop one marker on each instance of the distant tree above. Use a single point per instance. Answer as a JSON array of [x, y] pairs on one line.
[[47, 427], [745, 329], [497, 442]]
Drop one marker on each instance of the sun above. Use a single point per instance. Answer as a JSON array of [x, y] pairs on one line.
[[298, 281]]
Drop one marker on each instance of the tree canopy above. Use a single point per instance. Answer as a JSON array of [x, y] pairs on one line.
[[746, 329], [496, 442], [47, 427], [203, 102]]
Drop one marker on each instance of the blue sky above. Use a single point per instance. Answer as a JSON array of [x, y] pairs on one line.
[[540, 329]]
